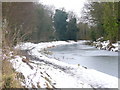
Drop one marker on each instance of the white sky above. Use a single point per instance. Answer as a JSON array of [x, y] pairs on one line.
[[70, 5]]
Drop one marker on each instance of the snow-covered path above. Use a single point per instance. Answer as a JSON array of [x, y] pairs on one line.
[[42, 72]]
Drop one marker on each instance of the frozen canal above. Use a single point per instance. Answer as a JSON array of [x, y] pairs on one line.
[[90, 57]]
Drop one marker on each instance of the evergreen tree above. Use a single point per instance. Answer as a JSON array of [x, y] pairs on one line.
[[60, 24], [72, 30]]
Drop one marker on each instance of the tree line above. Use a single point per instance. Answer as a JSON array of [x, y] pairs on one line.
[[26, 21], [34, 22], [104, 19]]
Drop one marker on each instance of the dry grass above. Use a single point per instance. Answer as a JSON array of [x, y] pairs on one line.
[[9, 76]]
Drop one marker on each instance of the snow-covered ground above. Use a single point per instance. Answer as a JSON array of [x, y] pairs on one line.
[[42, 72]]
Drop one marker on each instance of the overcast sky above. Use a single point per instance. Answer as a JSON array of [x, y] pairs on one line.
[[70, 5]]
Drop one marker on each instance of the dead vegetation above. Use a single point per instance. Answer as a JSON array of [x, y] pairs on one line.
[[9, 76]]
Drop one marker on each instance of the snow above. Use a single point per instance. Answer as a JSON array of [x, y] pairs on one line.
[[52, 73], [104, 45], [56, 77]]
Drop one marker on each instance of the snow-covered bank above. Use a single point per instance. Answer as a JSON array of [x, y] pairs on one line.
[[41, 71], [106, 45]]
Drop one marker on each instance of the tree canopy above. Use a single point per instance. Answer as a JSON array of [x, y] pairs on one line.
[[103, 16]]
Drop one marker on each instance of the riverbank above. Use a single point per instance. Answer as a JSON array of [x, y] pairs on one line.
[[104, 45], [38, 71], [8, 75]]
